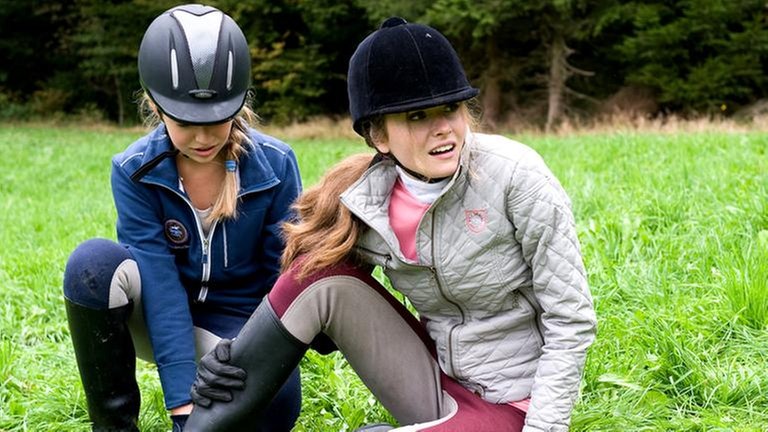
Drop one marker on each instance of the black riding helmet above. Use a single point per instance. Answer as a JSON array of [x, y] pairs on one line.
[[195, 64], [403, 67]]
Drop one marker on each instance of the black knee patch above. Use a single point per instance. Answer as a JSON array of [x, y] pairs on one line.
[[89, 272]]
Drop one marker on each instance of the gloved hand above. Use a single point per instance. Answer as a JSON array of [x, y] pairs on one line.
[[216, 378]]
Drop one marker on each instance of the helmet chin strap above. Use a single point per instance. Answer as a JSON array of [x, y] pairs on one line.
[[411, 172]]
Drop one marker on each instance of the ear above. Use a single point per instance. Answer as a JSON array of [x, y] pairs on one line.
[[381, 147], [380, 141]]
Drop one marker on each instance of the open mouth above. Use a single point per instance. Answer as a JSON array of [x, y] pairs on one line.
[[443, 149]]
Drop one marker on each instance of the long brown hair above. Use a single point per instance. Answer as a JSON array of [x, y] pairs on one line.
[[225, 205], [326, 231]]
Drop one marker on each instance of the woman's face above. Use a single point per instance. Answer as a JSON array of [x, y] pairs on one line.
[[427, 141], [200, 143]]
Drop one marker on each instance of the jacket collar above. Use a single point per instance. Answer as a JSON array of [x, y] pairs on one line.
[[255, 171], [369, 196]]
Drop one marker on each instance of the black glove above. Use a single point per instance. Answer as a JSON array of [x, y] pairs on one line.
[[216, 378]]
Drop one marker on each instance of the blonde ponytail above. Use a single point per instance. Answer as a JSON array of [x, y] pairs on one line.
[[225, 206]]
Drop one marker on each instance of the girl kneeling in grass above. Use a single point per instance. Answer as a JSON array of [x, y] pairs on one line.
[[179, 279]]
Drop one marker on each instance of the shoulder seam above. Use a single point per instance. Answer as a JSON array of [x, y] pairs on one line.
[[128, 159], [272, 146]]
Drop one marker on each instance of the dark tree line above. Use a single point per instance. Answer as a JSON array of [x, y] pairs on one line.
[[543, 60]]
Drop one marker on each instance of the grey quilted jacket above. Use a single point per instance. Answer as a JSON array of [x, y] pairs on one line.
[[499, 278]]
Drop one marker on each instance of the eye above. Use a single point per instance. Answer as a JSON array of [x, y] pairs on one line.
[[181, 125], [416, 115], [451, 107]]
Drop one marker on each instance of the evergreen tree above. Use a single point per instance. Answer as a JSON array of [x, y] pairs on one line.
[[300, 51], [519, 51], [105, 39], [30, 48], [702, 56]]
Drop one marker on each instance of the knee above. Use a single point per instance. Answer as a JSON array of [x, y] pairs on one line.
[[289, 287], [89, 271]]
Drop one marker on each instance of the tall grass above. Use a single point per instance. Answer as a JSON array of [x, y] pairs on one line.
[[674, 231], [745, 282]]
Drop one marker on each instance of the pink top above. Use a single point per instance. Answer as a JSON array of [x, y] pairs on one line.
[[522, 405], [405, 212]]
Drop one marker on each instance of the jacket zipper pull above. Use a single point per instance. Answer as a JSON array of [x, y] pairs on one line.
[[202, 294], [204, 283]]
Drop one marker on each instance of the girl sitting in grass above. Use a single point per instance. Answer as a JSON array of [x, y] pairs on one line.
[[474, 229]]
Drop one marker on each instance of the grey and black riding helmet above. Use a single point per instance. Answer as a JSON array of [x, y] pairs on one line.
[[195, 64], [404, 67]]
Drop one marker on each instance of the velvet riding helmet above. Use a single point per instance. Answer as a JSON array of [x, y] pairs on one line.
[[404, 67]]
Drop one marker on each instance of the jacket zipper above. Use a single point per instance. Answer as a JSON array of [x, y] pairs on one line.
[[444, 294], [206, 245], [206, 241], [226, 246], [536, 318], [441, 290], [206, 259], [386, 257]]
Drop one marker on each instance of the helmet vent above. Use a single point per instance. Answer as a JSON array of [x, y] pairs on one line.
[[202, 33], [174, 69], [230, 69], [202, 93]]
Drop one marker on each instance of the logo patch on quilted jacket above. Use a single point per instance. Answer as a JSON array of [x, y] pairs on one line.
[[476, 220]]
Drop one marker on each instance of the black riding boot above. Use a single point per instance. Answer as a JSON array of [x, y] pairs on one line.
[[107, 363], [268, 353]]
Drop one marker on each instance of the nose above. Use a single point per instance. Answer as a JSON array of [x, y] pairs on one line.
[[441, 124], [203, 135]]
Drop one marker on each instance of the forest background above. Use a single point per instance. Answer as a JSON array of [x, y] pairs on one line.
[[537, 63]]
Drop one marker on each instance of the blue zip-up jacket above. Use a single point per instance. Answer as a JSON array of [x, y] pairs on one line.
[[228, 273]]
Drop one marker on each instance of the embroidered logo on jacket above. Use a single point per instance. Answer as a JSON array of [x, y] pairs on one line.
[[175, 232], [476, 219]]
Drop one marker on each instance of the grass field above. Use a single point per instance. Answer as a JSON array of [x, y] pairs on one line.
[[674, 231]]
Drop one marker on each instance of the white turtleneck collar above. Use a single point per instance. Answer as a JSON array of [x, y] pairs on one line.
[[423, 191]]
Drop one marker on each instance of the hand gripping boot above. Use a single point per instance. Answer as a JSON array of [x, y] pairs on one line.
[[268, 353]]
